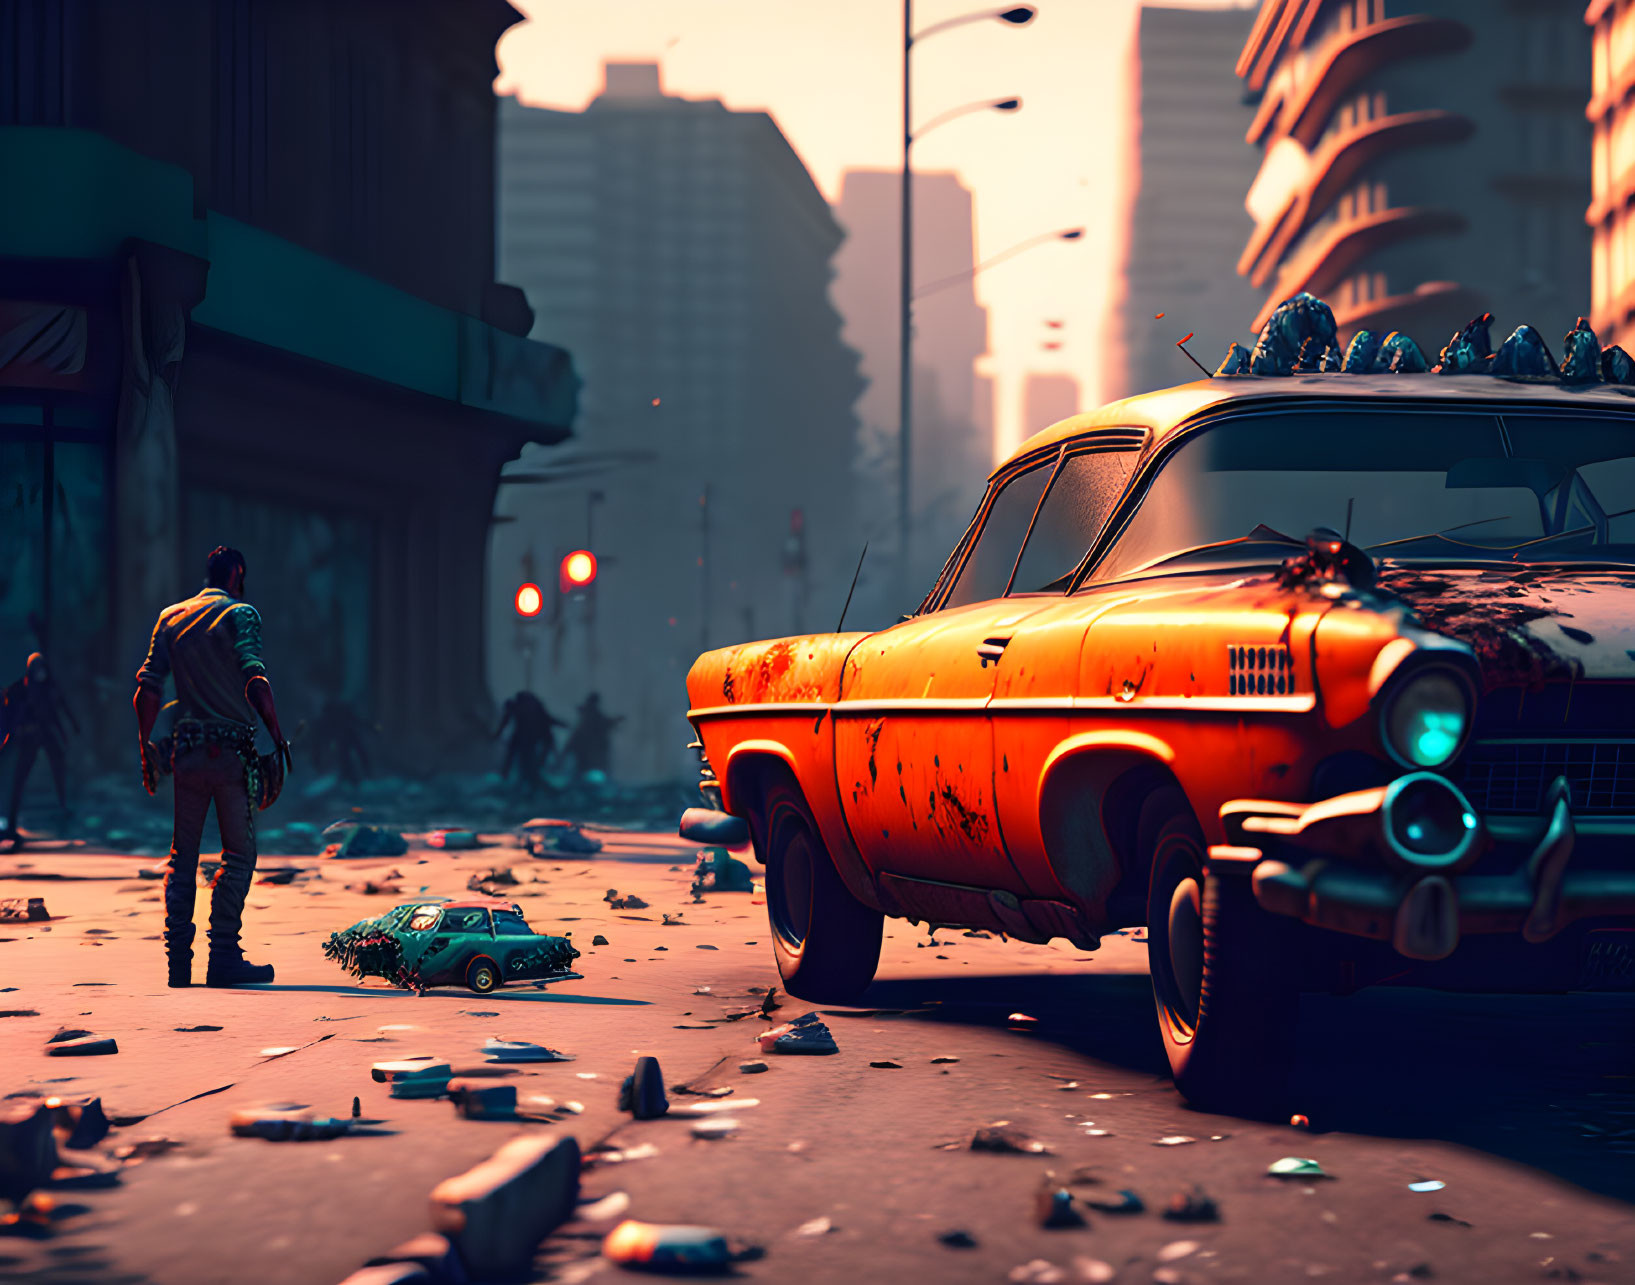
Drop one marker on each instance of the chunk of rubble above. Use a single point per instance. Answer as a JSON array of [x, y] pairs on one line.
[[667, 1248], [1296, 1167], [806, 1034], [1524, 355], [28, 1147], [1194, 1206], [1053, 1206], [1126, 1202], [753, 1067], [1469, 351], [285, 1124], [1006, 1139], [1581, 355], [477, 1099], [717, 870], [80, 1124], [433, 1255], [497, 1213], [23, 910], [572, 839], [409, 1068], [520, 1051], [598, 940], [82, 1046], [642, 1093]]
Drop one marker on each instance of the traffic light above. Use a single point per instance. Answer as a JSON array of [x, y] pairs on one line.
[[578, 570], [529, 600]]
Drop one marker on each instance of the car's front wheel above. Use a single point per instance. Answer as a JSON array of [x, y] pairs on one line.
[[482, 974], [1226, 1005], [826, 941]]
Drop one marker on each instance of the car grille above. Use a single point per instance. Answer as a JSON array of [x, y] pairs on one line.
[[1512, 776]]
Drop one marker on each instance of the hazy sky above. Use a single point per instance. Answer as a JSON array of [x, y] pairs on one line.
[[829, 71]]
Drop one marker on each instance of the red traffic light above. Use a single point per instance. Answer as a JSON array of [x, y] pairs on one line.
[[529, 600], [578, 570]]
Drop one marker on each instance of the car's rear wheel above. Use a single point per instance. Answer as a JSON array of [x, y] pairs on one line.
[[826, 941], [482, 974], [1226, 1004]]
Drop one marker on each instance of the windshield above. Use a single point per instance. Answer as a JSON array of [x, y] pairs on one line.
[[1405, 484]]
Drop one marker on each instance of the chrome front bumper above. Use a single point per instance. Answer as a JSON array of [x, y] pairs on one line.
[[1392, 864]]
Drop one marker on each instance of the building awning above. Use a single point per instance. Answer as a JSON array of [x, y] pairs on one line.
[[88, 198]]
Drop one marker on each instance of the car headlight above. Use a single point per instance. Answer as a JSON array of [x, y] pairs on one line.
[[1427, 717]]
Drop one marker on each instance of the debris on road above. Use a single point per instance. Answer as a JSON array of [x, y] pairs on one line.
[[1296, 1167], [452, 840], [632, 902], [806, 1034], [409, 1068], [430, 1255], [943, 1061], [200, 1027], [720, 1127], [497, 1213], [573, 839], [1053, 1206], [1177, 1250], [598, 940], [1127, 1203], [79, 1124], [477, 1100], [1002, 1137], [82, 1046], [1429, 1184], [958, 1238], [1446, 1218], [754, 1067], [280, 876], [496, 1050], [886, 1064], [1039, 1271], [668, 1249], [642, 1093], [285, 1123], [28, 1147], [134, 1153], [1193, 1206], [1174, 1140], [718, 870]]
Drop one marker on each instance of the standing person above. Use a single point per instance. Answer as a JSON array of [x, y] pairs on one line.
[[211, 645], [533, 736], [33, 718], [591, 743]]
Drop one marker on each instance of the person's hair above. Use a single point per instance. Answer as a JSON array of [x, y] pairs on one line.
[[220, 565]]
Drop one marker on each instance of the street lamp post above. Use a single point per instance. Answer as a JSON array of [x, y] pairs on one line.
[[970, 274], [1016, 15]]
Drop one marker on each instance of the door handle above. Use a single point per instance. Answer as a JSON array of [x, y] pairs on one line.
[[991, 649]]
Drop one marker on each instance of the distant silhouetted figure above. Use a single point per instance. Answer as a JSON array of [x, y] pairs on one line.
[[590, 744], [32, 717], [337, 736], [533, 736]]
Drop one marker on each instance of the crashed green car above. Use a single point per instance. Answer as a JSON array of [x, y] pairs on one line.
[[480, 943]]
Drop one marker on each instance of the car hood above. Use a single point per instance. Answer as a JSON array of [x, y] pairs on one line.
[[1527, 625]]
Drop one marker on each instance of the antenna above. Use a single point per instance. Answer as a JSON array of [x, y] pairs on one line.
[[1182, 345], [853, 589]]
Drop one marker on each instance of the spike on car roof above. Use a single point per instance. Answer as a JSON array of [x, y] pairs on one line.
[[1301, 338]]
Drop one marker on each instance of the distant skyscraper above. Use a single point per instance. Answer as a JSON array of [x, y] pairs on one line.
[[1424, 161], [1612, 272], [1189, 168], [1047, 399], [686, 251], [953, 406]]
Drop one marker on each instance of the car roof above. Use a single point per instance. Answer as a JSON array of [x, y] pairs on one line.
[[1165, 410]]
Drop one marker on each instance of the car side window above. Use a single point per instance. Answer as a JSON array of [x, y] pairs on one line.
[[1083, 495], [988, 568], [424, 918], [508, 923], [465, 921]]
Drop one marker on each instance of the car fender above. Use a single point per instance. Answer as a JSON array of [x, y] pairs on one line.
[[1072, 784]]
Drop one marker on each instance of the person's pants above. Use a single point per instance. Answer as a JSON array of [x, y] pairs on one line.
[[27, 749], [206, 775]]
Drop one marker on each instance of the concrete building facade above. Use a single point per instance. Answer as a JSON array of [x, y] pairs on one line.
[[1424, 161], [953, 443], [1185, 226], [684, 254], [247, 297], [1611, 113]]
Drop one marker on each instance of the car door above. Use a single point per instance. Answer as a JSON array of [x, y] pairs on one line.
[[913, 748]]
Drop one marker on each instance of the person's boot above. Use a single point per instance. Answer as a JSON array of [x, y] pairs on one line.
[[179, 954], [235, 970]]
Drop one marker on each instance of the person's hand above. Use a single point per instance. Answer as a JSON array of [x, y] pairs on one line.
[[150, 768]]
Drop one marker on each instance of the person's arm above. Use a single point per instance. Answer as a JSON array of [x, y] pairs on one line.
[[257, 686], [505, 719], [150, 686]]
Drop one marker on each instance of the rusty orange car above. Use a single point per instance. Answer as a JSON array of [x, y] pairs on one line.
[[1326, 680]]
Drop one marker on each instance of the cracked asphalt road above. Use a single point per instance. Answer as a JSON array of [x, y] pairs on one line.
[[1523, 1107]]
